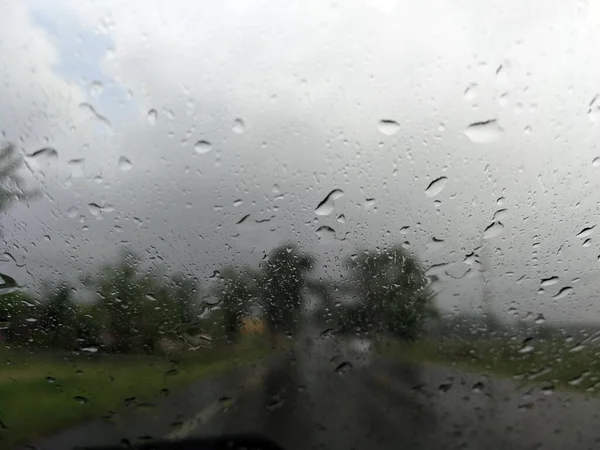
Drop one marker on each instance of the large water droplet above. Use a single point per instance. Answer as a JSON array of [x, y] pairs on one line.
[[125, 164], [328, 203], [436, 186], [95, 114], [388, 127], [238, 126], [46, 154], [325, 233], [484, 132], [549, 281], [343, 368], [563, 293], [493, 230], [202, 147], [586, 232], [152, 116]]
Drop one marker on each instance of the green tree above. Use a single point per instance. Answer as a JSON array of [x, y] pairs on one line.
[[236, 292], [392, 288], [58, 318], [281, 281], [15, 308]]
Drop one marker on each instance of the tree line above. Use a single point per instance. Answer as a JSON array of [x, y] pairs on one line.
[[128, 309]]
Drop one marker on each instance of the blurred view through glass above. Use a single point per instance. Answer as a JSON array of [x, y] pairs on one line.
[[362, 224]]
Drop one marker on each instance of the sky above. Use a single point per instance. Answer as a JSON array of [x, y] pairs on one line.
[[173, 121]]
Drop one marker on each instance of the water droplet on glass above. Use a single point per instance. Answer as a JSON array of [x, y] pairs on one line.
[[90, 349], [594, 109], [493, 230], [343, 368], [81, 399], [238, 202], [202, 147], [341, 218], [238, 126], [477, 387], [586, 232], [328, 203], [388, 127], [547, 390], [549, 281], [445, 387], [436, 186], [46, 154], [326, 233], [587, 242], [125, 164], [470, 92], [540, 319], [51, 379], [152, 116], [484, 132], [95, 114], [563, 293]]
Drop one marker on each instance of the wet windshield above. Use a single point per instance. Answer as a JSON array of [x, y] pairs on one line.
[[366, 224]]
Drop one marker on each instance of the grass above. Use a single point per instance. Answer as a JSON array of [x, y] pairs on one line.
[[42, 393], [552, 363]]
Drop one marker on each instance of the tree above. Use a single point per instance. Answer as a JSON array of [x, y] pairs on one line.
[[58, 319], [392, 287], [281, 282], [12, 185], [236, 292], [15, 308]]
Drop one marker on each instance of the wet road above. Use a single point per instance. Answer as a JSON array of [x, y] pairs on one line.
[[325, 394]]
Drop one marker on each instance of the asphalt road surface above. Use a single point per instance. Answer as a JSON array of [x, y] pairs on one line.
[[333, 393]]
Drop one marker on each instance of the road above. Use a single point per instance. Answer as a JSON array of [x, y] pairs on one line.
[[323, 394]]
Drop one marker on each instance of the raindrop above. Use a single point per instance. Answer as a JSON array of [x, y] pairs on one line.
[[547, 390], [594, 109], [404, 230], [527, 348], [343, 368], [46, 154], [470, 92], [493, 230], [95, 114], [90, 349], [243, 219], [81, 399], [436, 186], [238, 126], [152, 116], [500, 215], [586, 232], [388, 127], [238, 202], [369, 203], [326, 233], [587, 243], [484, 132], [563, 293], [445, 387], [596, 162], [96, 88], [31, 320], [51, 379], [202, 147], [540, 319], [328, 203], [501, 201], [125, 164], [341, 218], [549, 281], [477, 387]]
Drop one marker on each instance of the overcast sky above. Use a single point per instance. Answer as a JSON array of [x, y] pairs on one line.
[[286, 101]]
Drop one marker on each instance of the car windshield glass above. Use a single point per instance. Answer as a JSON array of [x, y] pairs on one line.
[[330, 224]]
